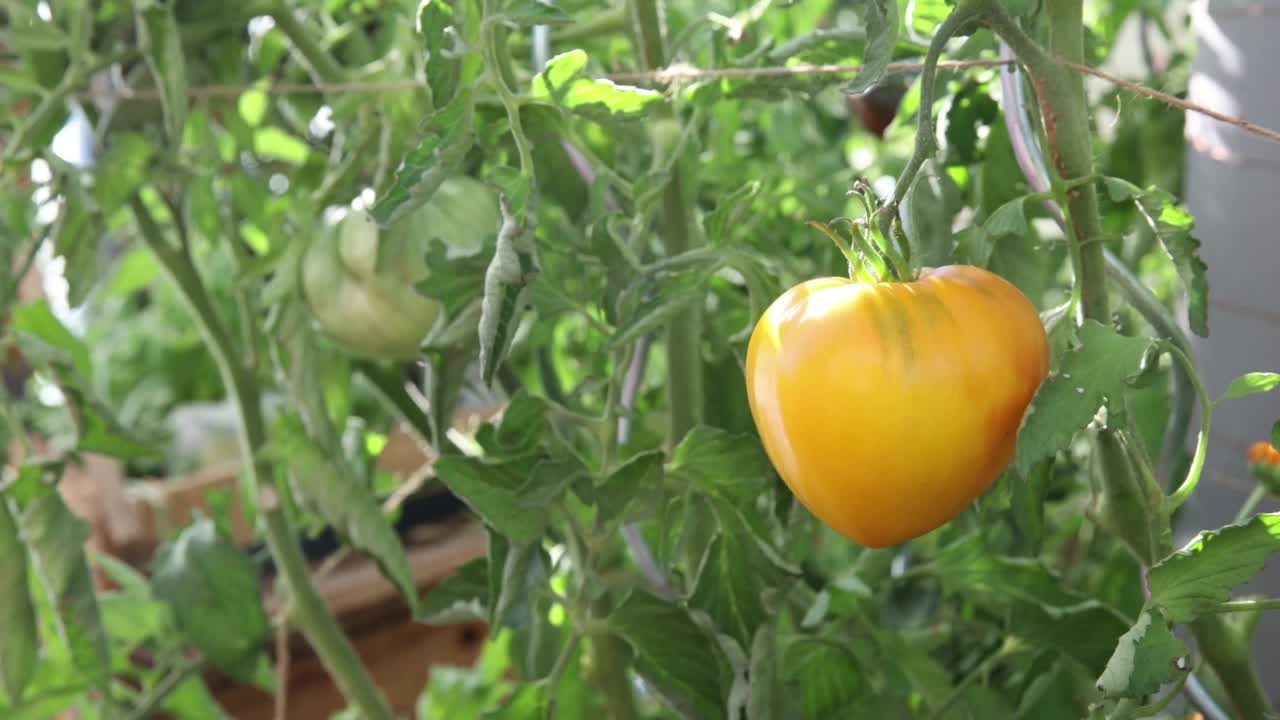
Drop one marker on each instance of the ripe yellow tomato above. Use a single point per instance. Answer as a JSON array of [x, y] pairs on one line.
[[888, 407]]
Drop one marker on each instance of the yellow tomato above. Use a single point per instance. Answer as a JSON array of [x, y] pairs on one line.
[[888, 407]]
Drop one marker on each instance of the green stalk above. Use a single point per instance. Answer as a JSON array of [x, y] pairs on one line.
[[684, 334], [1064, 111], [926, 140], [323, 66], [307, 609], [1228, 654]]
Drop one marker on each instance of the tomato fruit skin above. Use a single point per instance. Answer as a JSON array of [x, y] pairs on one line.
[[887, 408]]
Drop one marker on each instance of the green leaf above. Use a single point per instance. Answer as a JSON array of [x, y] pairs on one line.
[[37, 320], [452, 62], [135, 271], [722, 463], [1010, 219], [1201, 575], [28, 31], [1096, 371], [345, 504], [462, 596], [252, 105], [506, 286], [122, 170], [160, 39], [641, 475], [730, 211], [525, 570], [1086, 633], [520, 431], [102, 434], [75, 238], [561, 82], [1147, 657], [1254, 383], [55, 537], [880, 17], [523, 606], [1028, 503], [970, 108], [276, 144], [823, 674], [213, 589], [445, 142], [19, 641], [1172, 224], [493, 492], [734, 581], [673, 653], [1042, 609], [663, 299], [768, 697]]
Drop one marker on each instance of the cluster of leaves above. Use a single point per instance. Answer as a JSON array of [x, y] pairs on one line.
[[671, 552]]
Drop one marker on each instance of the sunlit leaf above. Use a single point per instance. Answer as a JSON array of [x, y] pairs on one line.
[[1096, 371], [1254, 383], [1203, 573], [561, 82]]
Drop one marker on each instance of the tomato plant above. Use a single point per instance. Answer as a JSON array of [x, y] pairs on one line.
[[795, 360]]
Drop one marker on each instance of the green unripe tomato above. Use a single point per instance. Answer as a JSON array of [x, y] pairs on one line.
[[360, 281]]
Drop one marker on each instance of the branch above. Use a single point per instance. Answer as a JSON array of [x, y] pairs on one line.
[[926, 142], [324, 68], [1175, 101], [310, 614]]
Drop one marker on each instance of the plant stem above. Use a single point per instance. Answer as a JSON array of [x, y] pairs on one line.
[[926, 141], [324, 68], [391, 387], [1228, 655], [164, 689], [684, 334], [309, 612], [496, 59], [1250, 503], [1232, 606], [609, 670], [1188, 486]]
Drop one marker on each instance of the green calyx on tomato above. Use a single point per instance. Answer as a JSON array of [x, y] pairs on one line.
[[888, 407], [359, 281]]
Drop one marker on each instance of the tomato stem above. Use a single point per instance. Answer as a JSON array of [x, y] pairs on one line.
[[857, 268], [926, 142], [308, 611], [1188, 486]]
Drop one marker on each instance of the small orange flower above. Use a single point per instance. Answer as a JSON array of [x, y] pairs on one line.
[[1263, 453]]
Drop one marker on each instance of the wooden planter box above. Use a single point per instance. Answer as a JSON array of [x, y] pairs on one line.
[[129, 520]]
